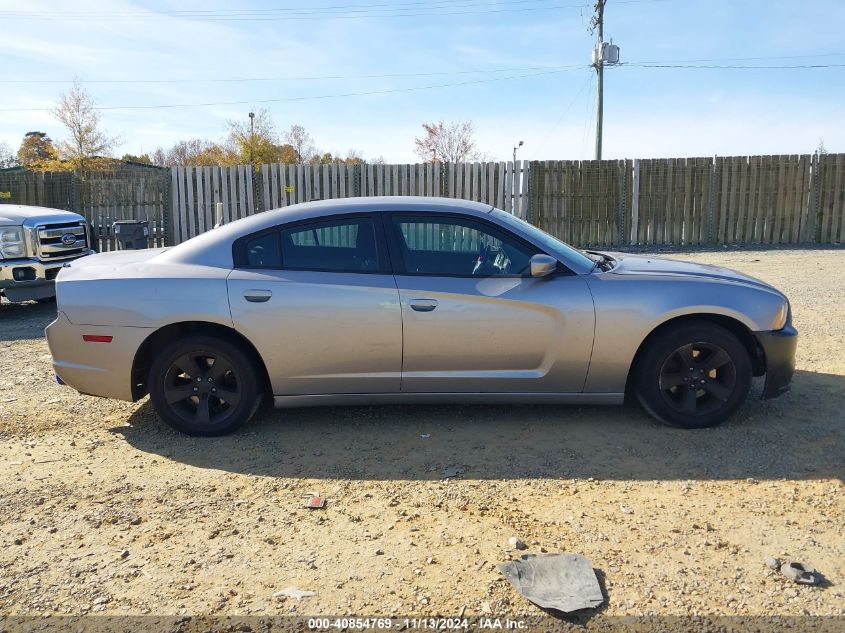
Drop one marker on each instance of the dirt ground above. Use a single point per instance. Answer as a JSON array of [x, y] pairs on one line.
[[106, 510]]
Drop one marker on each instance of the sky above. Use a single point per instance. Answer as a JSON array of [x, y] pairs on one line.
[[518, 69]]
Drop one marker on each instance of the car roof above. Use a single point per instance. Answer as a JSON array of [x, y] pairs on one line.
[[214, 247], [319, 208]]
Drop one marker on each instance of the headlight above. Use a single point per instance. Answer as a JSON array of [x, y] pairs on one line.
[[781, 317], [11, 242]]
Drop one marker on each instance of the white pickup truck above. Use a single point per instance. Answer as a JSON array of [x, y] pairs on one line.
[[35, 242]]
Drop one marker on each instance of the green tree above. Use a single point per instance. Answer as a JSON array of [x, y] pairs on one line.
[[132, 158]]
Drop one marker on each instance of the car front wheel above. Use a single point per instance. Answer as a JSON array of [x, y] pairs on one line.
[[204, 385], [693, 376]]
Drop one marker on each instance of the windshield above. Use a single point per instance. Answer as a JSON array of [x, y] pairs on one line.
[[539, 236]]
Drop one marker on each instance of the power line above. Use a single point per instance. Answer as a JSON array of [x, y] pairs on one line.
[[636, 64], [730, 66], [568, 108], [303, 15], [588, 118], [381, 10], [304, 98], [192, 13], [739, 59], [290, 78]]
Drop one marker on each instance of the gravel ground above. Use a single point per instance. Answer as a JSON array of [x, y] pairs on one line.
[[106, 510]]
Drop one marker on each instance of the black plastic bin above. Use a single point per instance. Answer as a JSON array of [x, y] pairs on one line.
[[131, 234]]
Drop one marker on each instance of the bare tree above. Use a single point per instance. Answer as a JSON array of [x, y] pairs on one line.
[[88, 143], [159, 157], [7, 158], [194, 151], [302, 142], [448, 142]]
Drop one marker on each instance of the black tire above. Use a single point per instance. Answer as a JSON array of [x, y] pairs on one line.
[[693, 376], [194, 398]]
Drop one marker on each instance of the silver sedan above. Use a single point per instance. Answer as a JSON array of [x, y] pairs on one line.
[[404, 299]]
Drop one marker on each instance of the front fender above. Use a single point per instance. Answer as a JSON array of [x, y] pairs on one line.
[[629, 308]]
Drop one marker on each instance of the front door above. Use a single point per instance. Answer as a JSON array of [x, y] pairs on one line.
[[475, 320], [318, 301]]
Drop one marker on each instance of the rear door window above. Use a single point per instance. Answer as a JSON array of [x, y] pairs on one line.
[[347, 245]]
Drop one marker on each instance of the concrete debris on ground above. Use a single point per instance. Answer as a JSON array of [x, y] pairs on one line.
[[800, 573], [293, 592], [517, 543], [772, 562], [564, 582]]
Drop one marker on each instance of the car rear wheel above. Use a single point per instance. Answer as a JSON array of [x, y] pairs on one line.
[[693, 376], [204, 385]]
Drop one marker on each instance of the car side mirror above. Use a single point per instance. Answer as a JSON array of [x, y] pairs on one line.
[[542, 265]]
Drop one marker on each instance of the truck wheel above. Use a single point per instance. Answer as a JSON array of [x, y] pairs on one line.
[[204, 385], [693, 376]]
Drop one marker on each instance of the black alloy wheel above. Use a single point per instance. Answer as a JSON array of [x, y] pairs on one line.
[[697, 378], [204, 385], [693, 375]]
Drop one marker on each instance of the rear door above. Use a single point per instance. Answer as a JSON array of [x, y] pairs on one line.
[[475, 320], [320, 304]]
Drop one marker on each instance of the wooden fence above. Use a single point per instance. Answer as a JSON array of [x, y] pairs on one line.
[[55, 190], [124, 193], [196, 191], [107, 197], [783, 199]]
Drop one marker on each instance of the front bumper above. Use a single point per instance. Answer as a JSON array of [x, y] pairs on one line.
[[779, 356], [29, 278]]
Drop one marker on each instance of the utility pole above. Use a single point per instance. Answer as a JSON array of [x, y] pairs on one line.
[[251, 134], [516, 147], [598, 62], [604, 54]]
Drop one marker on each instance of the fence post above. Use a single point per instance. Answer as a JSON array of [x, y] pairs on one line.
[[711, 204], [623, 201], [635, 202], [167, 211], [813, 224], [75, 194], [533, 209]]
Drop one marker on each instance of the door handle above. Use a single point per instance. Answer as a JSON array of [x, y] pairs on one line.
[[257, 296], [423, 305]]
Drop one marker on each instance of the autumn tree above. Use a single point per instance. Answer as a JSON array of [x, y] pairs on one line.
[[451, 142], [257, 142], [193, 152], [36, 150], [88, 143], [353, 157]]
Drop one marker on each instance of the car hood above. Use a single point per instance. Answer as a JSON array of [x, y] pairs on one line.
[[657, 266], [19, 214]]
